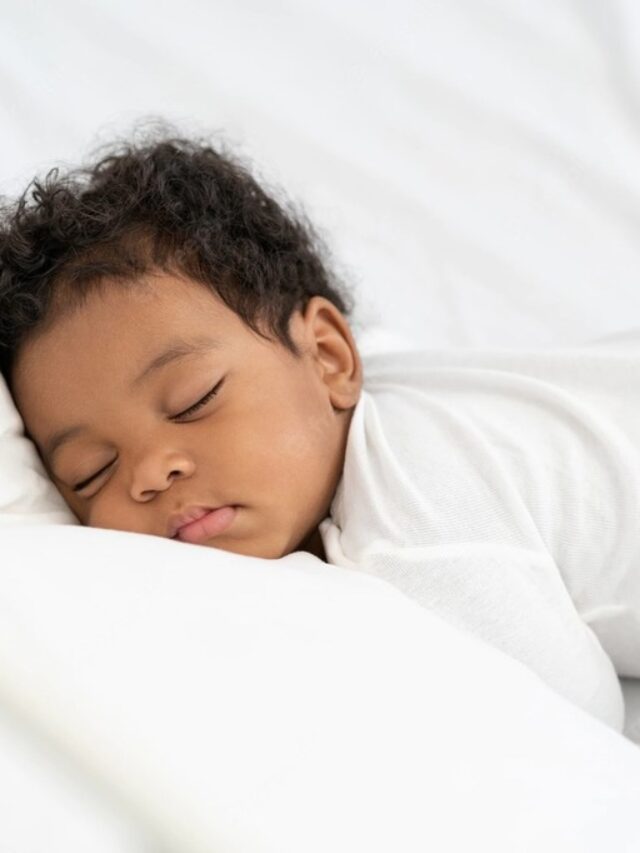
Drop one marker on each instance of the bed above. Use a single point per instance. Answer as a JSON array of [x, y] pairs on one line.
[[473, 167]]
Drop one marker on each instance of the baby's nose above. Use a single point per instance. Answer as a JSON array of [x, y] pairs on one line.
[[154, 475]]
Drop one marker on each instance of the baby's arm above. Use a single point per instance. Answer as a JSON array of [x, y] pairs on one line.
[[514, 599]]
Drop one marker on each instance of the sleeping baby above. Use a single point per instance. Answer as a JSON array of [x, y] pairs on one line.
[[182, 358]]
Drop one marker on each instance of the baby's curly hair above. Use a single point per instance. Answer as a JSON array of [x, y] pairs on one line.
[[167, 204]]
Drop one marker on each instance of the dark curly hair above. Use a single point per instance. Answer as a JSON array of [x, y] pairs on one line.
[[164, 203]]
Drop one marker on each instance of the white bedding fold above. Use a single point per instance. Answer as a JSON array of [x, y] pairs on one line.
[[238, 704]]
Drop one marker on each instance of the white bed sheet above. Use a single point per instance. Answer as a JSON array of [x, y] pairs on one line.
[[474, 164]]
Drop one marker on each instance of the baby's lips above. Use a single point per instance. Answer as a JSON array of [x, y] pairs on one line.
[[212, 524], [179, 519]]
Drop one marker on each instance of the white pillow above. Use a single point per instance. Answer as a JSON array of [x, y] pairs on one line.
[[27, 495]]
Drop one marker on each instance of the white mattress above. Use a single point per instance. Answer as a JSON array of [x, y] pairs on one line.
[[475, 166]]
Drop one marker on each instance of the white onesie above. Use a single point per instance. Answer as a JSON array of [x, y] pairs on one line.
[[501, 490]]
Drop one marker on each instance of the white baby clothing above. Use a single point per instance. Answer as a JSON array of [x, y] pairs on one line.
[[501, 490]]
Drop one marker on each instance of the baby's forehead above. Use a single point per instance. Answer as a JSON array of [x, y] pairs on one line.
[[77, 348], [133, 331]]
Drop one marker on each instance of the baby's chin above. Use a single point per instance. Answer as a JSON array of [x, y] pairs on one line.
[[245, 546], [266, 550], [272, 548]]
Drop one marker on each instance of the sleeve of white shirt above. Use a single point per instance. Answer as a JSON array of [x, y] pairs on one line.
[[513, 599], [429, 504]]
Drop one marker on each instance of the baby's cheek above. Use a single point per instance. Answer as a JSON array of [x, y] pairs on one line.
[[91, 513], [72, 502], [77, 507], [99, 513]]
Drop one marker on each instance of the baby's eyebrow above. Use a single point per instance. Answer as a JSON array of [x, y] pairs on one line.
[[176, 350], [62, 436]]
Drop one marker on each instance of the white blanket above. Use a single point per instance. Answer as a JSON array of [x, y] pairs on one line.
[[259, 706]]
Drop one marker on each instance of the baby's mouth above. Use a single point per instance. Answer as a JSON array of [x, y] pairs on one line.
[[179, 519], [202, 523]]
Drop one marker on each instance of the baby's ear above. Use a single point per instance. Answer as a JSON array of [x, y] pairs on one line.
[[332, 345]]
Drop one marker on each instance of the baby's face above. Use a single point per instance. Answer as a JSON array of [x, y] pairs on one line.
[[119, 377]]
